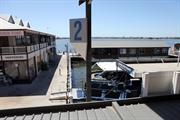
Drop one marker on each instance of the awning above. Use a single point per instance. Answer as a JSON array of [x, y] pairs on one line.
[[108, 66], [12, 33], [113, 66]]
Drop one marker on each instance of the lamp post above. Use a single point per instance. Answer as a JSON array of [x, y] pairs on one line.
[[88, 55]]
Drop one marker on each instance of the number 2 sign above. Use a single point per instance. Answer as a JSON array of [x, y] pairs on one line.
[[78, 31]]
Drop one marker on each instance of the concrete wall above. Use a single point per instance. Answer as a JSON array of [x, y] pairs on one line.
[[32, 68], [157, 83], [160, 83], [176, 83], [12, 70]]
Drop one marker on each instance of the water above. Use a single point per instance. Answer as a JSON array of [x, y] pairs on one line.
[[78, 68], [78, 74], [60, 45]]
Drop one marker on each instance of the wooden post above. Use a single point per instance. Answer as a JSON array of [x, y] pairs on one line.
[[88, 55]]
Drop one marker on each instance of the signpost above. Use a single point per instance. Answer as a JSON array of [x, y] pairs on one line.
[[88, 55], [80, 35], [78, 30]]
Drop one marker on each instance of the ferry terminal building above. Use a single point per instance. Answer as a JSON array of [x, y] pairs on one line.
[[131, 50], [23, 50]]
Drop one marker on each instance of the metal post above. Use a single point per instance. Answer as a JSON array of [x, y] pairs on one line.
[[178, 57], [17, 66], [88, 55], [67, 50]]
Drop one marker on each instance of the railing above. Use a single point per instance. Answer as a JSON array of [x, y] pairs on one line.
[[7, 50], [43, 45], [22, 49], [32, 48], [19, 50]]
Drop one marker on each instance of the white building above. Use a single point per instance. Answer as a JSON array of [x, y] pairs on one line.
[[23, 51], [131, 50]]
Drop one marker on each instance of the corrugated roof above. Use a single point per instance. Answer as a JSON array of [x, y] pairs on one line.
[[128, 43], [148, 109]]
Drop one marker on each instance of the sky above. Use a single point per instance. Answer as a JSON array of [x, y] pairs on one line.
[[110, 18]]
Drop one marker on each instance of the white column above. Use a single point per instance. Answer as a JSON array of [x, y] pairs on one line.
[[176, 82], [144, 88]]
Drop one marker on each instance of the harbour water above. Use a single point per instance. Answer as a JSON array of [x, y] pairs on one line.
[[78, 74]]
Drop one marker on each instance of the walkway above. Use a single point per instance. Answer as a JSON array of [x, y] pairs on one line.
[[46, 86], [26, 101], [58, 87]]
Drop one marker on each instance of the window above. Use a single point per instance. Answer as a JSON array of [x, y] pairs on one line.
[[107, 51], [157, 51], [141, 51], [164, 51], [123, 51], [28, 39], [19, 40], [132, 51]]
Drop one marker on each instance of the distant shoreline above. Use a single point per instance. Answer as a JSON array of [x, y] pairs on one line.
[[126, 38]]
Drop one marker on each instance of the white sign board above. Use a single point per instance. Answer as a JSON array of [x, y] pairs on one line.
[[11, 33], [78, 30], [78, 35], [14, 57]]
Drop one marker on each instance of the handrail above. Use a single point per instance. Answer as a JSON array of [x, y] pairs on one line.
[[22, 49]]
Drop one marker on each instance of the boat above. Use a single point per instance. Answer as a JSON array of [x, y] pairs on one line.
[[111, 81]]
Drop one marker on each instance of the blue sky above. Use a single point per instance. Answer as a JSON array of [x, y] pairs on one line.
[[110, 18]]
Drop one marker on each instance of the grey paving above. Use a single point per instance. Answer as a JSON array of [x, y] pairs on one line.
[[165, 110], [39, 86], [31, 95]]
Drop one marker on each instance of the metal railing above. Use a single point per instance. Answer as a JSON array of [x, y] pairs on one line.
[[43, 45], [32, 48], [19, 50], [7, 50], [22, 49]]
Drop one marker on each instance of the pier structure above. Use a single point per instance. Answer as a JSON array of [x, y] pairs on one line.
[[61, 81]]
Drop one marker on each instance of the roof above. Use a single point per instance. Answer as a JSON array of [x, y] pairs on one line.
[[152, 108], [7, 17], [27, 24], [128, 43], [19, 21], [6, 25], [108, 66], [154, 67]]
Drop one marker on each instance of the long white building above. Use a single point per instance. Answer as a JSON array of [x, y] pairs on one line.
[[131, 50]]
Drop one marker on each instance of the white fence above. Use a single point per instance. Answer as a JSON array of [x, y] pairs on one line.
[[160, 83]]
